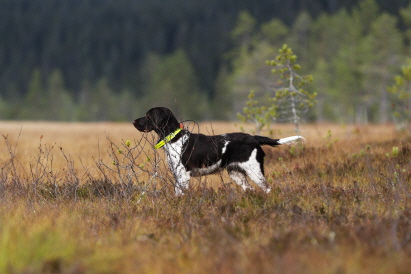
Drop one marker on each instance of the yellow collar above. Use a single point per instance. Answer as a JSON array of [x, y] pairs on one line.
[[168, 138]]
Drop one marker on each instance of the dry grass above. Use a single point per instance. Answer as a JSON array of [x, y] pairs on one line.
[[340, 203]]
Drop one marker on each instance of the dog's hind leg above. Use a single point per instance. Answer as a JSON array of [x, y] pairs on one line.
[[254, 168], [258, 177], [239, 178]]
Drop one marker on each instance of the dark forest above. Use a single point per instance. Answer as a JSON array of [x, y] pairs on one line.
[[106, 60]]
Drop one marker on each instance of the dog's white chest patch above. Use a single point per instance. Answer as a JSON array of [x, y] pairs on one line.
[[174, 151]]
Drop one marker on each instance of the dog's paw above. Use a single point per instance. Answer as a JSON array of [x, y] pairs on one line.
[[179, 192]]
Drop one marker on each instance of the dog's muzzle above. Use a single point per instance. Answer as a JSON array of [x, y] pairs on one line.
[[140, 125]]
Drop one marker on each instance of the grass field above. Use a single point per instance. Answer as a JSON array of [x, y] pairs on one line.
[[95, 198]]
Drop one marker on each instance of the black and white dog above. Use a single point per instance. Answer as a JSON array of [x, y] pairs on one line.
[[189, 154]]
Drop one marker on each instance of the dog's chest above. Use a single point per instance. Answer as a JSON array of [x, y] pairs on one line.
[[174, 152]]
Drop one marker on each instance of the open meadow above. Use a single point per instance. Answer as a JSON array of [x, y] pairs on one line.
[[96, 198]]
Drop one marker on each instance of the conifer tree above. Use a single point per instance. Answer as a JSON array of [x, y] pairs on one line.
[[402, 90], [382, 49], [288, 101], [34, 101], [59, 102], [172, 82]]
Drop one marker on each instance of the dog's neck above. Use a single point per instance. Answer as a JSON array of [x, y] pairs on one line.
[[170, 138]]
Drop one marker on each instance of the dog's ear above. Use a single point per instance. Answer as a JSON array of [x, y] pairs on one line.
[[156, 116], [163, 120]]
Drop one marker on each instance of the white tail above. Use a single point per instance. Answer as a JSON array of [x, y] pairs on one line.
[[290, 140]]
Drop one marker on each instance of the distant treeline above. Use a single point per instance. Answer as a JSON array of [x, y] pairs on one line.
[[112, 59]]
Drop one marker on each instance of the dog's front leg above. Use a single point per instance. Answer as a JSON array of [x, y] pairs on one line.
[[182, 178], [181, 175]]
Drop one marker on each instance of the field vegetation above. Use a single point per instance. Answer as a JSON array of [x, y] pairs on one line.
[[96, 198]]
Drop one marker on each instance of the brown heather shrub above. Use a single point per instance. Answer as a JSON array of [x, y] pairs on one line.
[[340, 203]]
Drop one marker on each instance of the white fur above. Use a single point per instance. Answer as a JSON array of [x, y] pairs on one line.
[[290, 140], [206, 170], [173, 153], [239, 178], [253, 170], [225, 146]]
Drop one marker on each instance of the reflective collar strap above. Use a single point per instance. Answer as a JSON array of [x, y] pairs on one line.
[[168, 138]]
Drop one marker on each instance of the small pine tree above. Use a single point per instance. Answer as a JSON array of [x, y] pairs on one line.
[[288, 101], [257, 114]]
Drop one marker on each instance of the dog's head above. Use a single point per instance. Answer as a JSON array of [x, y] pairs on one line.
[[159, 119]]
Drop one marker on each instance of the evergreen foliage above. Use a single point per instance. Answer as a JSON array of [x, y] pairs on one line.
[[402, 90], [287, 100], [102, 60], [258, 114], [290, 101]]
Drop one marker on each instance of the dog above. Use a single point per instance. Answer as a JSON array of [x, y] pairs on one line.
[[190, 155]]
